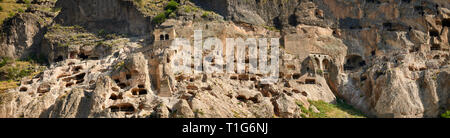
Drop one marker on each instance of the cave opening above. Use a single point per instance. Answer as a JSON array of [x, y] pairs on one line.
[[128, 76], [406, 1], [373, 1], [122, 85], [446, 22], [363, 78], [115, 89], [80, 76], [141, 86], [142, 92], [124, 107], [113, 97], [419, 9], [435, 47], [354, 62], [23, 89], [310, 81], [72, 55], [117, 80], [233, 77], [296, 75], [77, 69], [436, 57], [434, 33], [388, 26], [69, 84], [138, 91], [59, 58], [83, 56]]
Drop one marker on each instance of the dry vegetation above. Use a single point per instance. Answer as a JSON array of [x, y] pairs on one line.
[[9, 8], [11, 72]]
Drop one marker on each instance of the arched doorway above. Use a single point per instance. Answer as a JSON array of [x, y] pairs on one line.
[[326, 65], [167, 37]]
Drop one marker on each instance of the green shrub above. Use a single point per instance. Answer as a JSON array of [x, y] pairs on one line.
[[11, 14], [319, 71], [101, 33], [20, 10], [27, 1], [1, 8], [170, 8], [56, 9], [4, 61], [205, 14], [159, 18], [446, 114], [172, 5]]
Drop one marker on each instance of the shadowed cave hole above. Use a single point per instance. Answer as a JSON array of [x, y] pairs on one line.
[[137, 91], [363, 78], [122, 85], [310, 81], [115, 97], [23, 89], [83, 56], [125, 107], [115, 89], [77, 69], [296, 76], [80, 76], [434, 33], [60, 58], [446, 22], [128, 76], [373, 1], [69, 84], [141, 86], [142, 92], [435, 47], [436, 57], [406, 1], [419, 9], [354, 62]]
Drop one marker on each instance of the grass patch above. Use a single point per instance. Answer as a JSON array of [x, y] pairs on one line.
[[9, 8], [12, 71], [15, 70], [339, 110], [271, 28], [5, 85]]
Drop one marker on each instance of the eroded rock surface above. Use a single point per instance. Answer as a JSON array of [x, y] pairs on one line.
[[386, 58]]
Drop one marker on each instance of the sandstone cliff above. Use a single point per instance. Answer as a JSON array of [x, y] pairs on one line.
[[111, 58]]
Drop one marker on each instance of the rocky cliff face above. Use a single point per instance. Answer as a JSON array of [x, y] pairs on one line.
[[387, 58], [113, 16], [22, 34]]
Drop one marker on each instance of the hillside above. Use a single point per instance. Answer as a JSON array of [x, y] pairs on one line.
[[115, 59]]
